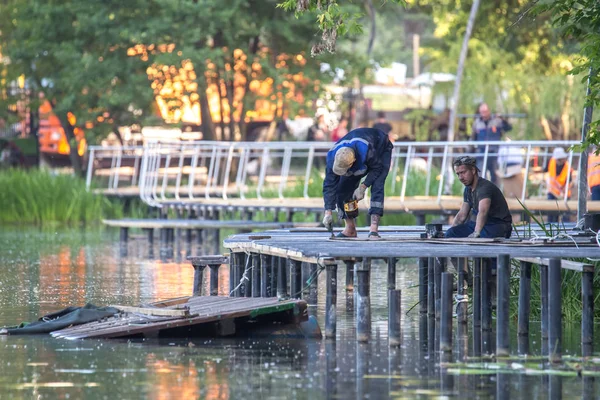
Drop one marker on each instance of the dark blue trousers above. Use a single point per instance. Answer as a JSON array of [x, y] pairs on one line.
[[489, 230], [348, 184]]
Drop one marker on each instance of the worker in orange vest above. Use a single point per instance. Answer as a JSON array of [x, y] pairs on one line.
[[594, 173], [558, 173]]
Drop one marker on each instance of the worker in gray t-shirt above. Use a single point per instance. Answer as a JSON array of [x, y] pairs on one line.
[[490, 216]]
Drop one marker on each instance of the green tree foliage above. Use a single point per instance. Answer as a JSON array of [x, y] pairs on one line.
[[515, 63], [91, 57], [75, 53], [579, 20], [333, 18]]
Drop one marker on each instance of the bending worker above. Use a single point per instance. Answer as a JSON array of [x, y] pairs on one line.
[[484, 200], [362, 152]]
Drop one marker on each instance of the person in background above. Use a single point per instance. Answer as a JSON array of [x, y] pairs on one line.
[[486, 128], [318, 132], [558, 173], [382, 123], [594, 173], [340, 131]]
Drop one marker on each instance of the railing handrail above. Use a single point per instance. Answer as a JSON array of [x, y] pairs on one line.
[[161, 166]]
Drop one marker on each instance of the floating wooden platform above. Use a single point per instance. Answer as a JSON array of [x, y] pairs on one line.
[[315, 245], [196, 316]]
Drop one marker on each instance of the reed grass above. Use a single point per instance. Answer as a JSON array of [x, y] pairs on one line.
[[40, 197]]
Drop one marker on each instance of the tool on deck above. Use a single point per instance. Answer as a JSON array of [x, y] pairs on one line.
[[351, 208]]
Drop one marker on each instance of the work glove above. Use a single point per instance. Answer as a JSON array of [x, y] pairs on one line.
[[359, 193], [474, 235], [328, 221]]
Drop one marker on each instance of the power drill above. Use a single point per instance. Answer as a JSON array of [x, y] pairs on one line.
[[351, 208]]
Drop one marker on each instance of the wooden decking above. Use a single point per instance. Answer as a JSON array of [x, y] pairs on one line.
[[314, 246], [393, 204], [189, 316]]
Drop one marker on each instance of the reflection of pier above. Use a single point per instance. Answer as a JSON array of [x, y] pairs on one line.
[[282, 253]]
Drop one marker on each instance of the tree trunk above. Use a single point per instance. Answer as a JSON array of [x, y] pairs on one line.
[[208, 128], [565, 116], [460, 70], [546, 127], [73, 155]]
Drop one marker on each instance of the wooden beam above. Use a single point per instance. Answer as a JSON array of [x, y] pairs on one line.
[[159, 312], [565, 264]]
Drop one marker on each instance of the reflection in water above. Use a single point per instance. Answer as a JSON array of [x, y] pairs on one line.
[[44, 271]]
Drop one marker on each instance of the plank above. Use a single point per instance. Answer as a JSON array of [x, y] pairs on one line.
[[160, 312], [565, 264]]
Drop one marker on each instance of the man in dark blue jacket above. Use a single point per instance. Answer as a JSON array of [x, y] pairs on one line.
[[362, 152]]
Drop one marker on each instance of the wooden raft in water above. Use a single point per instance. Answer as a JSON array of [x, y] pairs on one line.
[[196, 316]]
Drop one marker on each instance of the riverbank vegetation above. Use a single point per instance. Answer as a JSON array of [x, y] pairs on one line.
[[41, 197]]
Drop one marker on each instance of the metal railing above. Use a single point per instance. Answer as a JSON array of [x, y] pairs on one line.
[[188, 171]]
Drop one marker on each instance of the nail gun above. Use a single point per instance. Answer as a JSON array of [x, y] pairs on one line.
[[351, 208]]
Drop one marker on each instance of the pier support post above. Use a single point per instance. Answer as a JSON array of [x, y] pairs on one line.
[[214, 279], [239, 275], [331, 300], [423, 269], [544, 299], [265, 275], [461, 308], [150, 236], [554, 310], [282, 290], [394, 317], [486, 306], [431, 287], [249, 262], [503, 293], [313, 288], [587, 314], [391, 281], [476, 307], [363, 301], [349, 275], [199, 241], [124, 236], [255, 275], [295, 279], [440, 267], [188, 242], [524, 307], [198, 275], [446, 312], [232, 273]]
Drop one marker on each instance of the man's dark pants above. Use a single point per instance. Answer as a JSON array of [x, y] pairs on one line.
[[348, 184]]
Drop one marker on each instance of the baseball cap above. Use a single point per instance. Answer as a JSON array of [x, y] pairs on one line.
[[344, 158]]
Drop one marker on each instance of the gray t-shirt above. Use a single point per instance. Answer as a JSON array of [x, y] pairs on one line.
[[499, 212]]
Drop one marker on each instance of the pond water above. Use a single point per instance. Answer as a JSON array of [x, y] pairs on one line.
[[42, 271]]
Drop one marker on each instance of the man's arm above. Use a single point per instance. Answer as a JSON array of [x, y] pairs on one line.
[[484, 208], [329, 189], [462, 214]]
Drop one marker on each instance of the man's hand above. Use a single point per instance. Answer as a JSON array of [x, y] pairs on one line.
[[328, 220], [359, 193], [474, 235]]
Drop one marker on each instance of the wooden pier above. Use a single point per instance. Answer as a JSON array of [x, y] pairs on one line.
[[279, 254]]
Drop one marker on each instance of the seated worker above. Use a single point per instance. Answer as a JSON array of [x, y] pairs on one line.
[[485, 200], [362, 152]]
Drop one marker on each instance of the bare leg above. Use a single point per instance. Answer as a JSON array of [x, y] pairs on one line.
[[350, 229], [375, 223]]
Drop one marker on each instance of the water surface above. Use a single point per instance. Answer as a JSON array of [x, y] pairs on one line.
[[42, 271]]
